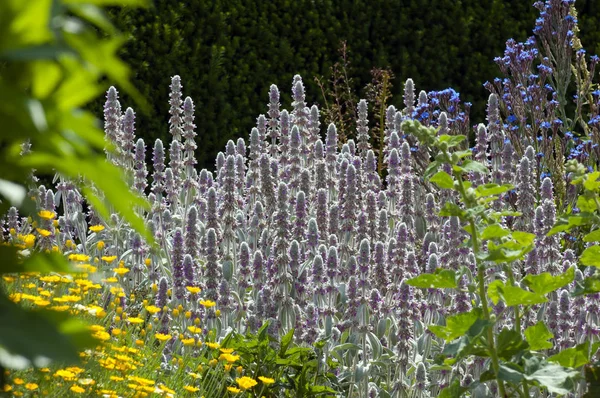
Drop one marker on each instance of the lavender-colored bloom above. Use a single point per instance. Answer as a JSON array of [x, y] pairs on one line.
[[112, 119], [409, 97], [230, 148], [141, 172], [362, 128], [188, 270], [301, 212], [349, 204], [257, 268], [266, 181], [177, 254], [525, 195], [244, 262], [364, 259], [312, 234], [128, 139], [331, 146], [161, 295], [273, 129], [188, 134], [175, 110], [284, 140], [158, 161], [313, 129], [322, 212], [318, 276], [212, 272], [334, 219], [191, 233], [379, 274]]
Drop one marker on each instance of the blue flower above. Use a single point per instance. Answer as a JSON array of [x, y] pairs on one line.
[[544, 125]]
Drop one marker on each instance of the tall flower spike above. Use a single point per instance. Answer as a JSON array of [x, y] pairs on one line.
[[267, 185], [312, 235], [349, 204], [314, 132], [140, 181], [362, 128], [112, 120], [191, 232], [244, 270], [128, 139], [212, 271], [189, 145], [331, 146], [301, 212], [177, 254], [481, 153], [188, 270], [409, 97], [273, 129], [175, 110], [158, 161], [284, 140]]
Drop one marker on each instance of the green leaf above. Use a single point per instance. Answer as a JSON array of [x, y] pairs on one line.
[[454, 390], [523, 238], [451, 209], [510, 375], [593, 236], [545, 283], [591, 182], [591, 256], [510, 343], [494, 231], [37, 262], [456, 325], [38, 337], [442, 279], [451, 140], [493, 292], [586, 205], [442, 180], [554, 377], [286, 340], [514, 295], [573, 357], [537, 336], [474, 166], [589, 285], [492, 189], [431, 169]]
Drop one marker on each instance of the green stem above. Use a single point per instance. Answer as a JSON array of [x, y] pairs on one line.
[[481, 282]]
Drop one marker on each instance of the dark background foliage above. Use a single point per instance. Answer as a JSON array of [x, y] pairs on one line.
[[229, 52]]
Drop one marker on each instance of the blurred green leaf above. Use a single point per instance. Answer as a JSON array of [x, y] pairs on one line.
[[509, 343], [538, 335], [456, 325], [545, 283], [492, 189], [593, 236], [514, 295], [442, 279], [442, 180], [24, 345], [36, 262], [494, 231], [591, 256], [573, 357]]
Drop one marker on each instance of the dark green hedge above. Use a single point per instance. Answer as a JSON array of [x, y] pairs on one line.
[[229, 52]]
